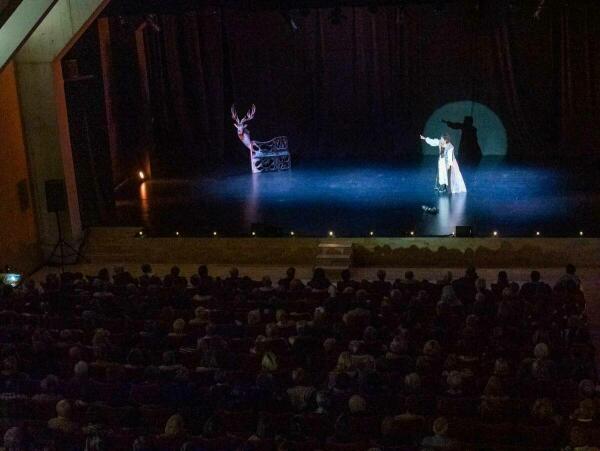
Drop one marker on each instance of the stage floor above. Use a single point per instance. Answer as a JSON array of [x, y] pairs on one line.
[[353, 199]]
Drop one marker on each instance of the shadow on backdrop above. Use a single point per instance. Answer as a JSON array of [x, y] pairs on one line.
[[480, 134]]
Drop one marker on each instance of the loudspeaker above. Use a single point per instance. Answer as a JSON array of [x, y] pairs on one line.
[[463, 231], [56, 196]]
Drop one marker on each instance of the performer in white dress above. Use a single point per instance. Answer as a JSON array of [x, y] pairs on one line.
[[449, 178]]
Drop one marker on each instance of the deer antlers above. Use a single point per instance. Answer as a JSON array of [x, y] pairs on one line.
[[249, 115]]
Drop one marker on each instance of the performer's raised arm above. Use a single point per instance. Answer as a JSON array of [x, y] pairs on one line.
[[434, 142]]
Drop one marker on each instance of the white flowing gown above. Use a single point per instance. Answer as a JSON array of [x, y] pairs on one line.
[[448, 166]]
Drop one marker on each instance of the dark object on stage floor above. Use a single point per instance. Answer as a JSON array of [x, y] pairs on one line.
[[430, 210], [56, 196], [269, 230], [464, 231]]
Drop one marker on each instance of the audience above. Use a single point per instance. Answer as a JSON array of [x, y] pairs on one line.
[[110, 361]]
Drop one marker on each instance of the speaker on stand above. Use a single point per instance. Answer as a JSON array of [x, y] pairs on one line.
[[56, 202]]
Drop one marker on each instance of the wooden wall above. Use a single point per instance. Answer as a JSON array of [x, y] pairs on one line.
[[18, 230]]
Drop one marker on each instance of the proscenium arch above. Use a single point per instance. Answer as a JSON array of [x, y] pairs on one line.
[[44, 111], [490, 130]]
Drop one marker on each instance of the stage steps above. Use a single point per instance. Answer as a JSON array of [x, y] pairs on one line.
[[334, 257]]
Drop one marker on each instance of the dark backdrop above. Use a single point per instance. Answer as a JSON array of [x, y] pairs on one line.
[[365, 87]]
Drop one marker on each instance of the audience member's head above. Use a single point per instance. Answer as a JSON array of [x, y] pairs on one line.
[[269, 362], [440, 426], [174, 426], [357, 404], [81, 369]]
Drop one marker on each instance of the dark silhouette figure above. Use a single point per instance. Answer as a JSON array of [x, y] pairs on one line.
[[469, 145]]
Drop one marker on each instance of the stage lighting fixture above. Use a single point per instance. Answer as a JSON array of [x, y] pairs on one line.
[[336, 16], [176, 233], [292, 233], [141, 175], [495, 233], [371, 233], [151, 20], [214, 233], [581, 233], [540, 8], [514, 5], [253, 233], [331, 233], [412, 233], [537, 234], [290, 20], [140, 233]]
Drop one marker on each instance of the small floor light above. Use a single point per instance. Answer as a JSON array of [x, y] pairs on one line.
[[495, 233], [537, 234], [292, 233], [141, 175], [214, 233], [412, 233], [331, 233]]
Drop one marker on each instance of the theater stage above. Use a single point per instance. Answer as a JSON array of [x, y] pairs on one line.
[[352, 199]]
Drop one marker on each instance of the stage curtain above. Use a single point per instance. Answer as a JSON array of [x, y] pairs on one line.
[[578, 42], [365, 87], [186, 78]]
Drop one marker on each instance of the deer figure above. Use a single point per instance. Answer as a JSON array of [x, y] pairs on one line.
[[265, 156], [241, 125]]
